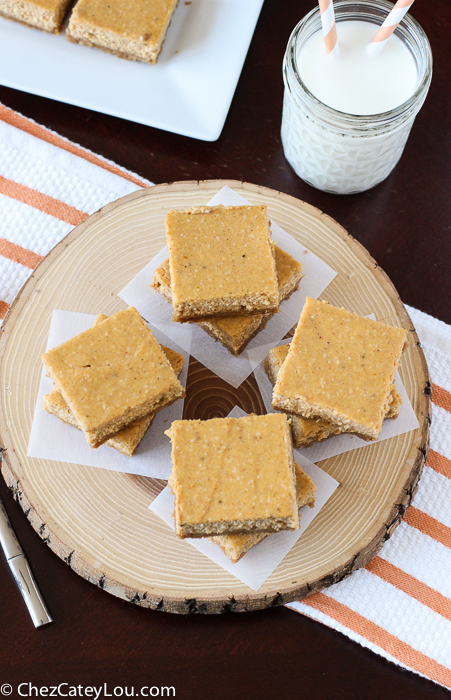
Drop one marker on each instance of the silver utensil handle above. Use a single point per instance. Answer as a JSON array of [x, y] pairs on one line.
[[8, 539], [30, 592]]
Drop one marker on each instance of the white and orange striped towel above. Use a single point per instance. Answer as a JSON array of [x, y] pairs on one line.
[[48, 185], [400, 604]]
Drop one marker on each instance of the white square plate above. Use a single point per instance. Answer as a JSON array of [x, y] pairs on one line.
[[188, 92]]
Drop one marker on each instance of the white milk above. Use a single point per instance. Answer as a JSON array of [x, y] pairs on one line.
[[355, 81], [372, 100]]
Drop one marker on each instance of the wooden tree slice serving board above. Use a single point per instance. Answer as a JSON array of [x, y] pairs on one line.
[[98, 521]]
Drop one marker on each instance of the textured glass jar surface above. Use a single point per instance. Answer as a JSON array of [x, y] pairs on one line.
[[334, 162], [342, 153]]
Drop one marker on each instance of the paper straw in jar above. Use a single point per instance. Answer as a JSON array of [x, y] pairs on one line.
[[387, 28], [326, 9]]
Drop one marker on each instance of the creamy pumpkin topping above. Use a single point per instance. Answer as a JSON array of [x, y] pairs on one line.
[[233, 475], [306, 431], [128, 438], [221, 262], [143, 20], [112, 374], [340, 367], [234, 332]]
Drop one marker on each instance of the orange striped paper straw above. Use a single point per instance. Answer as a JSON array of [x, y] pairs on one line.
[[389, 25], [326, 9]]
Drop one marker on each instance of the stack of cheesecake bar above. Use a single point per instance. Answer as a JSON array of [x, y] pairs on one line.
[[111, 380], [235, 480], [224, 272], [337, 374]]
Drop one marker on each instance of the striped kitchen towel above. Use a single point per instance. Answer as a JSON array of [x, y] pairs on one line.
[[400, 604], [48, 185]]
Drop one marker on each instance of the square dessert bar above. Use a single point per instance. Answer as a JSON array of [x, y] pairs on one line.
[[340, 368], [112, 374], [126, 440], [234, 332], [236, 546], [134, 30], [306, 431], [43, 14], [221, 262], [233, 475]]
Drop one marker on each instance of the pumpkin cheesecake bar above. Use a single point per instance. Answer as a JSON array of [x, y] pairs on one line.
[[236, 546], [306, 431], [126, 440], [235, 332], [340, 368], [221, 262], [42, 14], [233, 475], [134, 30], [112, 374]]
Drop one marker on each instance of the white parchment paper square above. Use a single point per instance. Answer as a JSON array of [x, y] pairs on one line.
[[260, 561], [51, 438], [234, 370], [336, 445]]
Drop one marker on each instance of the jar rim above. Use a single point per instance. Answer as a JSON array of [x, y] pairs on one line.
[[408, 27]]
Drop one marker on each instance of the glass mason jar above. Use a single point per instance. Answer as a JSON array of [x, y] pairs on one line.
[[345, 153]]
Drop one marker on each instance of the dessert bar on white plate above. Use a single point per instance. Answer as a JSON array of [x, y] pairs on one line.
[[188, 91]]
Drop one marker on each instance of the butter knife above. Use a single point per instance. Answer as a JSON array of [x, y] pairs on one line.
[[21, 571]]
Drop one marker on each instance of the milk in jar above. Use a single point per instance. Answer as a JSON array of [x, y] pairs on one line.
[[346, 117]]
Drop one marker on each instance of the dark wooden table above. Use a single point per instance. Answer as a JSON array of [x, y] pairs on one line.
[[405, 223]]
